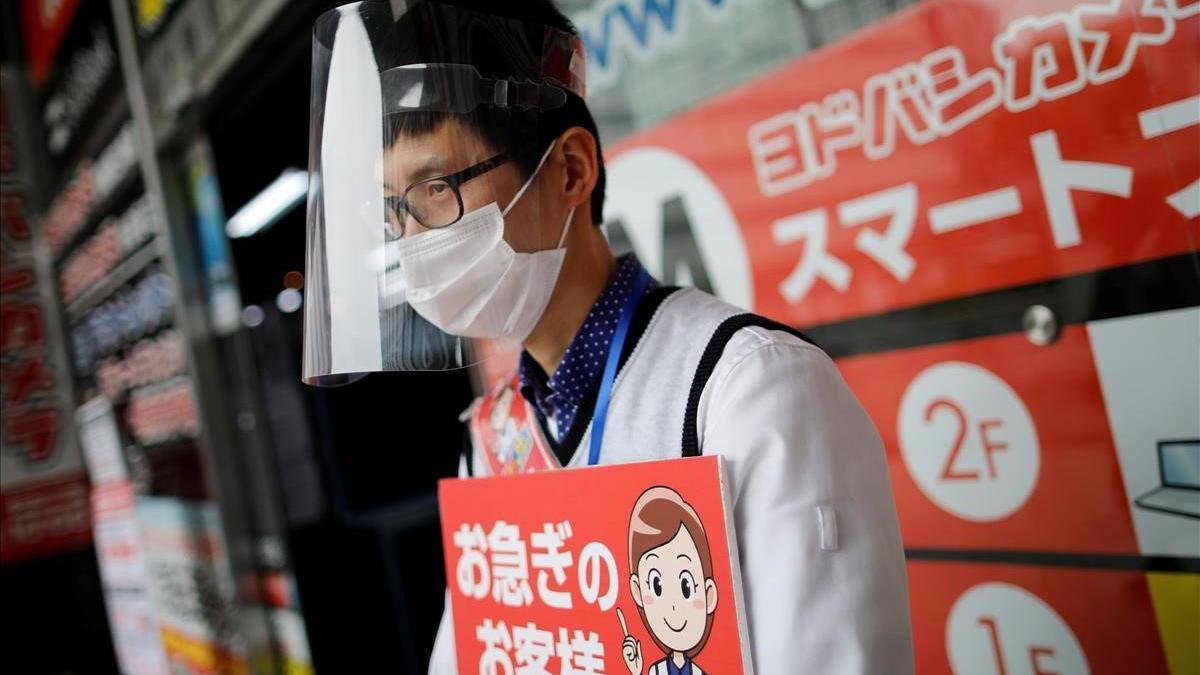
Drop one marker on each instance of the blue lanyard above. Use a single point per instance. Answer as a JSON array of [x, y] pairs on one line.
[[610, 366]]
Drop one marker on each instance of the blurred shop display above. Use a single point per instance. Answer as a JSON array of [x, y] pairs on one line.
[[43, 489], [194, 574], [120, 550]]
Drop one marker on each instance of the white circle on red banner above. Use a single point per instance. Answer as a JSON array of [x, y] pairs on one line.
[[968, 441], [1001, 628], [642, 181]]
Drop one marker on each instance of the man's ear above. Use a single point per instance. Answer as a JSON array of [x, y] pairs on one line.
[[635, 589], [577, 148], [710, 596]]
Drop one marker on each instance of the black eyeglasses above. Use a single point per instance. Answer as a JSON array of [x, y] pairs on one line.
[[436, 202]]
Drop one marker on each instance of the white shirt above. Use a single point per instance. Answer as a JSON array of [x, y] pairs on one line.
[[821, 558]]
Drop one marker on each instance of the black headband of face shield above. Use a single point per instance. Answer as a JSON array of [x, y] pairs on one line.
[[458, 88], [440, 57]]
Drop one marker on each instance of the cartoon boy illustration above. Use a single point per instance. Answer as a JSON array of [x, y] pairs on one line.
[[509, 448], [499, 413], [671, 580]]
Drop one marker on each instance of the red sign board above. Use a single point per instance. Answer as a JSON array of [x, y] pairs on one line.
[[542, 567], [43, 517], [1022, 619], [997, 443], [43, 492], [956, 148]]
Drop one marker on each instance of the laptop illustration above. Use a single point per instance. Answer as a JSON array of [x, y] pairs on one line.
[[1179, 473]]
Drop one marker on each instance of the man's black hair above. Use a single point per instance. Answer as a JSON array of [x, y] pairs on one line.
[[431, 32]]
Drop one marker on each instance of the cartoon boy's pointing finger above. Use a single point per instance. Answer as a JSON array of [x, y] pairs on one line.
[[632, 648]]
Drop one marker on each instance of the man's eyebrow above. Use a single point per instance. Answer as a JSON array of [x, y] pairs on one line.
[[684, 556], [432, 166], [648, 555]]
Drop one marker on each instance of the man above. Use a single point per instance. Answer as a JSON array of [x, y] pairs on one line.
[[458, 181]]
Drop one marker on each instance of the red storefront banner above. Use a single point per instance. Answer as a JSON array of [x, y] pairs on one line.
[[956, 148], [540, 588], [43, 25], [43, 517], [986, 618], [43, 492], [996, 443]]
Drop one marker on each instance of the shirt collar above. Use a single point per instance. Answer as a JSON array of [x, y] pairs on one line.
[[673, 670], [561, 394]]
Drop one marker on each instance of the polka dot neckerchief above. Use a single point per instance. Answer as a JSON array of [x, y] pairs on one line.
[[558, 397]]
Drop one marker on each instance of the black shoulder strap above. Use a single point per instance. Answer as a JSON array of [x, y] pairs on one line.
[[690, 446]]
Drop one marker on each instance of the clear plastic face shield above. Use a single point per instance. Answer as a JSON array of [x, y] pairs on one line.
[[426, 222]]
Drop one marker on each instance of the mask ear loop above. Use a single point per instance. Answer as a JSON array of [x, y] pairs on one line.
[[530, 181], [566, 228]]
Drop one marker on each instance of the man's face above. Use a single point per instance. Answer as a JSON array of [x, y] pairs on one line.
[[452, 147]]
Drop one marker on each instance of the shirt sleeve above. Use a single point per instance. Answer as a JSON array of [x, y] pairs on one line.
[[443, 660], [819, 543]]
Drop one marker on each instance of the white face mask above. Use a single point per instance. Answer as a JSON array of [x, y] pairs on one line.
[[466, 280]]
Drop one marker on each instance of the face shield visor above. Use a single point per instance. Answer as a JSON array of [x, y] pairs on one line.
[[426, 137]]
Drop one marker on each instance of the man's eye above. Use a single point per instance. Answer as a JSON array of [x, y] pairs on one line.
[[436, 189]]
